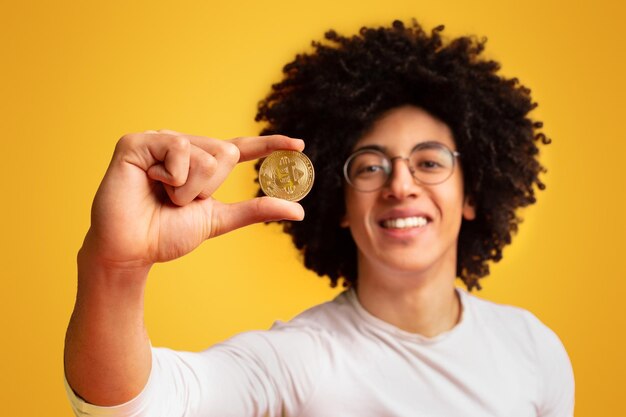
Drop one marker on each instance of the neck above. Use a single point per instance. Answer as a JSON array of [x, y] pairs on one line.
[[427, 305]]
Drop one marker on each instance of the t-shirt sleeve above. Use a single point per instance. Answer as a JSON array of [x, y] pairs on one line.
[[556, 377], [142, 405], [253, 374]]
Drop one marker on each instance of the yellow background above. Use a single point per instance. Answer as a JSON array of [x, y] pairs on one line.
[[77, 75]]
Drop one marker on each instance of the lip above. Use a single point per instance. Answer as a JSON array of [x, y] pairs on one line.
[[401, 213]]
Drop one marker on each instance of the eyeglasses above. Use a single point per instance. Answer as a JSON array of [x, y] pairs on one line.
[[429, 163]]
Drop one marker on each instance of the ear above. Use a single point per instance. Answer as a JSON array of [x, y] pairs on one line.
[[469, 209], [344, 222]]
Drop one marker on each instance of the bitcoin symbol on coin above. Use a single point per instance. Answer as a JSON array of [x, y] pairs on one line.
[[286, 174]]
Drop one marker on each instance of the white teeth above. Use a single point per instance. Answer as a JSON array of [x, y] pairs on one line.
[[404, 223]]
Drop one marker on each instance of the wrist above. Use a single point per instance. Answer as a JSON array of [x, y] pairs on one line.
[[94, 268]]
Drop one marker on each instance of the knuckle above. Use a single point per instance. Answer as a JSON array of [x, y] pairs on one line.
[[177, 201], [180, 143], [280, 139], [126, 142], [262, 205], [230, 152], [211, 162], [176, 197], [207, 164], [177, 180], [203, 195]]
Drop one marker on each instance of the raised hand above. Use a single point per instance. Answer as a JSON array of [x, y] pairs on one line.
[[154, 203]]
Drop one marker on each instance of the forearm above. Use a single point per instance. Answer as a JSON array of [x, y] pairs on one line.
[[107, 349]]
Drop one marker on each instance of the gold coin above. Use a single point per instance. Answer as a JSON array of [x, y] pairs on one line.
[[286, 174]]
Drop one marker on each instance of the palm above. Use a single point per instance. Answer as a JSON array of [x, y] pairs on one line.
[[179, 230], [141, 224]]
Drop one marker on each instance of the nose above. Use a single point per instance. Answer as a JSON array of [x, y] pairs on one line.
[[400, 184]]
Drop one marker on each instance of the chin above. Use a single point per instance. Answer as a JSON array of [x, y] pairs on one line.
[[407, 262]]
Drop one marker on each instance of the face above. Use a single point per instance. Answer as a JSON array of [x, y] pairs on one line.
[[407, 227]]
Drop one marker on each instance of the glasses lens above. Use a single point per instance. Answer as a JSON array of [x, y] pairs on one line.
[[432, 163], [367, 170]]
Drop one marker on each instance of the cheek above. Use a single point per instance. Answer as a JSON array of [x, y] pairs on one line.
[[357, 210], [351, 208], [452, 202]]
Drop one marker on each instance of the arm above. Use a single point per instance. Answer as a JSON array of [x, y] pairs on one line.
[[153, 205]]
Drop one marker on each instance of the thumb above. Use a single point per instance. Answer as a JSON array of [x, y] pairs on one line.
[[227, 217]]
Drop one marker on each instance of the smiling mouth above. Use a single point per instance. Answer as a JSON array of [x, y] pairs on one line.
[[404, 222]]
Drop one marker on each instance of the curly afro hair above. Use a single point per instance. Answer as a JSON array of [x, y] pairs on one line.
[[332, 96]]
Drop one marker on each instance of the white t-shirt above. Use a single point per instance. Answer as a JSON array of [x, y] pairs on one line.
[[336, 359]]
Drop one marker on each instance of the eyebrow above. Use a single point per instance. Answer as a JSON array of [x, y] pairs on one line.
[[379, 148], [383, 149]]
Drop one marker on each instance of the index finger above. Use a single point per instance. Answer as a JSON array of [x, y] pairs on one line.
[[255, 147], [250, 147]]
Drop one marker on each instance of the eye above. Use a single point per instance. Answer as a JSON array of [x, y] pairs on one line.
[[365, 170], [367, 164], [429, 165], [431, 159]]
